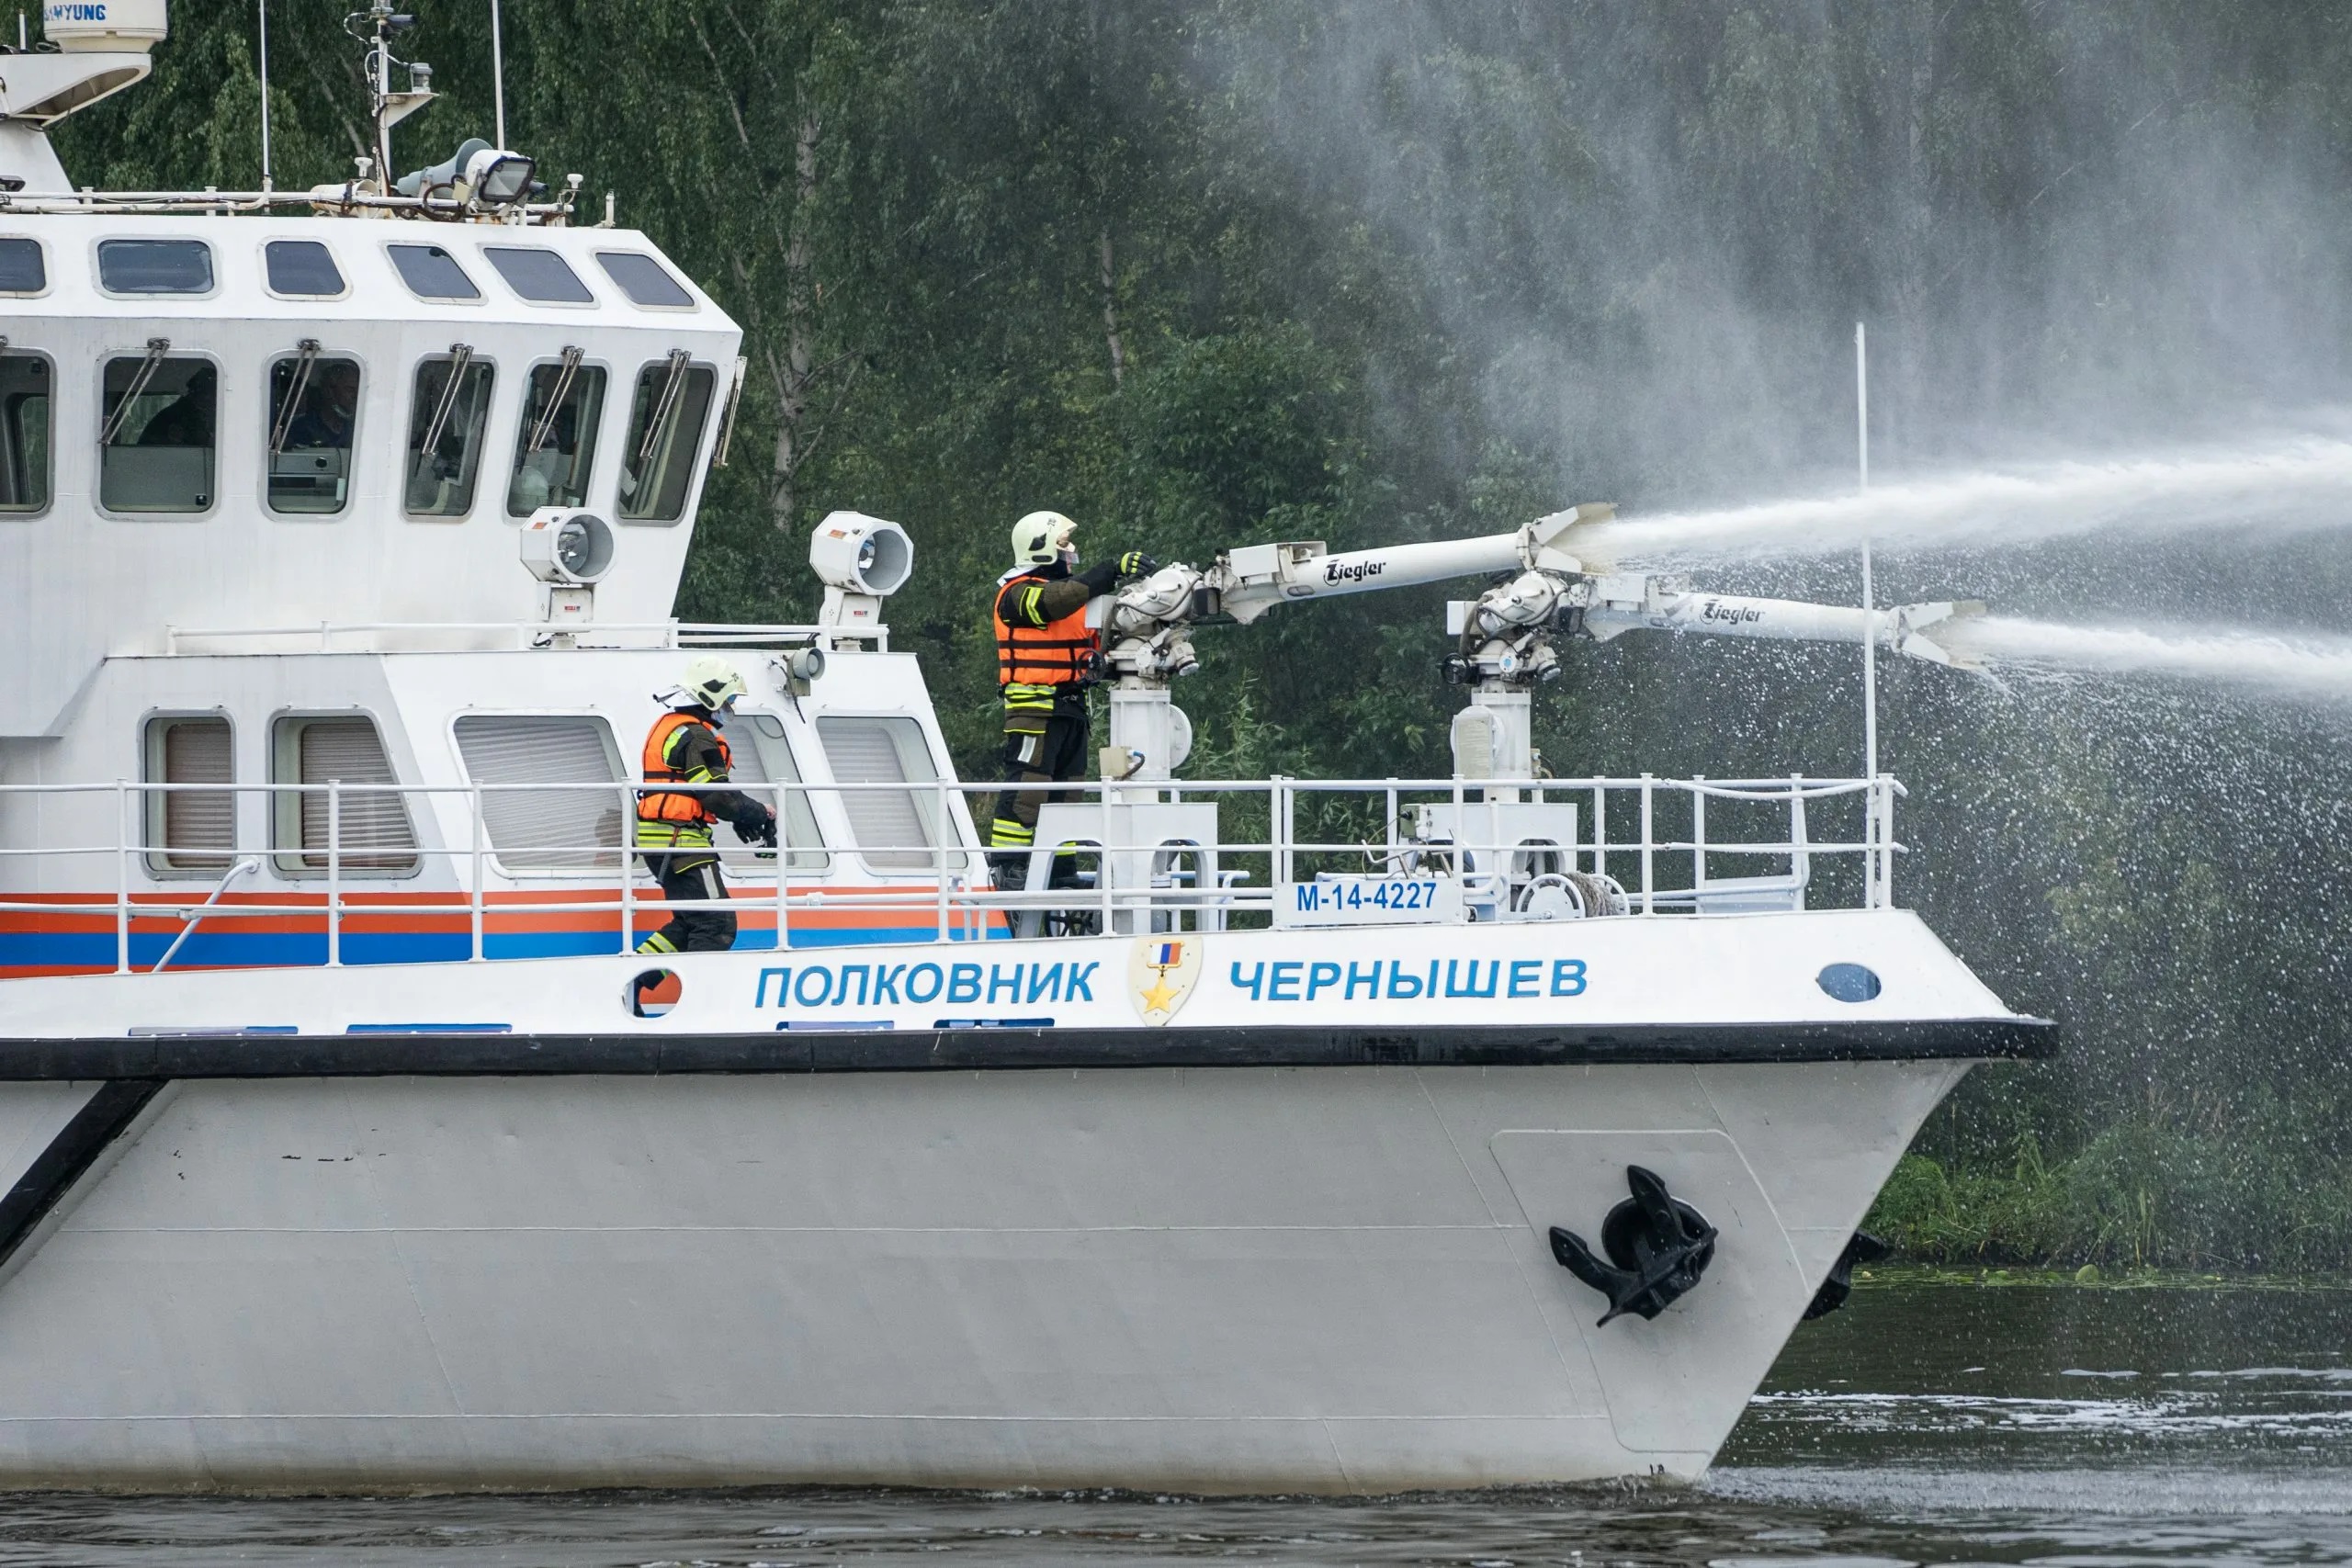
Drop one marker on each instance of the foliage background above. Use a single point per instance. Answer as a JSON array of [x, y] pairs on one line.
[[1205, 272]]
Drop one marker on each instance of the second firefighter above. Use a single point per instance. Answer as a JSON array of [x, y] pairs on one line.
[[673, 826]]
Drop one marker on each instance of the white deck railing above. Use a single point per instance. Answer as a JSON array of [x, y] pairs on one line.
[[1653, 836], [475, 636]]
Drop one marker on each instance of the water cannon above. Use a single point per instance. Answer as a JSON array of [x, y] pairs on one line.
[[1614, 606], [1146, 626], [860, 560], [1253, 578], [1507, 633]]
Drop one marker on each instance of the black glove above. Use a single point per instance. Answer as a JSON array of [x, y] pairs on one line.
[[1100, 578], [1135, 563]]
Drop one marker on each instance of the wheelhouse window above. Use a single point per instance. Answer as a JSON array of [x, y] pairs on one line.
[[362, 820], [556, 445], [303, 269], [188, 829], [447, 415], [313, 408], [432, 273], [665, 425], [23, 270], [762, 760], [156, 444], [645, 281], [564, 824], [23, 431], [538, 274], [895, 829], [155, 267]]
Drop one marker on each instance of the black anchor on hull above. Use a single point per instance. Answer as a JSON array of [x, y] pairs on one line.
[[1657, 1247]]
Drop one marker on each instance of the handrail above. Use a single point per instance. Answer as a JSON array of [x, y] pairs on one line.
[[242, 867], [450, 866], [670, 634]]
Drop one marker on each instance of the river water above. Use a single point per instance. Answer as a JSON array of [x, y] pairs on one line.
[[1925, 1424]]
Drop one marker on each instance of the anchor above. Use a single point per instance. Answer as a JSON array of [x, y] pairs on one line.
[[1863, 1247], [1657, 1247]]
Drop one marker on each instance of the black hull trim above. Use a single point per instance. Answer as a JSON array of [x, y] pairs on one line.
[[76, 1148], [155, 1056]]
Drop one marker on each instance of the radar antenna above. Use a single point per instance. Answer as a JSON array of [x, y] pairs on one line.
[[376, 26]]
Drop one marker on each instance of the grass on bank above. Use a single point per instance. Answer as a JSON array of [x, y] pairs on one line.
[[2137, 1197], [2089, 1276]]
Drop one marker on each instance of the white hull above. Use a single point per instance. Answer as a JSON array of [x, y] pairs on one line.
[[1329, 1279]]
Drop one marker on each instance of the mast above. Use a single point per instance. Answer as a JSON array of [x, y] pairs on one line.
[[1873, 871]]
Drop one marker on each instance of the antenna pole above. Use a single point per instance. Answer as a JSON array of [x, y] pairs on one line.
[[498, 72], [1874, 879], [263, 7]]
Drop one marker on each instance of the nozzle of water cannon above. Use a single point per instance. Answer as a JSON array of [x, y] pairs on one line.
[[1549, 543], [1952, 645]]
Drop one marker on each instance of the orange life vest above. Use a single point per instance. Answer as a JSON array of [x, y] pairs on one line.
[[1055, 654], [668, 806]]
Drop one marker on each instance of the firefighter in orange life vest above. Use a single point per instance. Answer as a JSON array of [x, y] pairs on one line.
[[1046, 658], [673, 828]]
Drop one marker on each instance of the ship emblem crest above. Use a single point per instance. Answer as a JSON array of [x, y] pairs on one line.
[[1161, 975]]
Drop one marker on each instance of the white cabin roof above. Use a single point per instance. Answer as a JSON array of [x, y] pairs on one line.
[[81, 579]]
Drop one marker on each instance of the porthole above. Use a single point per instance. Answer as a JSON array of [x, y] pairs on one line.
[[651, 993], [1848, 983]]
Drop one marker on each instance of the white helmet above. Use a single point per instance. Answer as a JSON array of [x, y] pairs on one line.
[[712, 682], [1043, 537]]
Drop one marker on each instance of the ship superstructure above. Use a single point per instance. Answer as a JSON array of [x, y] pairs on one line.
[[1304, 1141]]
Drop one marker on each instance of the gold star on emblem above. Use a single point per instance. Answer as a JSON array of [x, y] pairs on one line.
[[1159, 995]]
